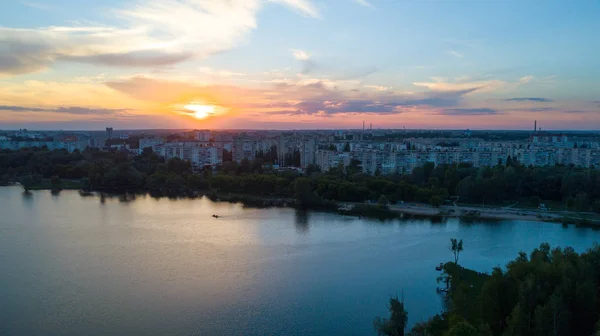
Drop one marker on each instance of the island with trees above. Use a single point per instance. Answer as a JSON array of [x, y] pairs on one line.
[[551, 291]]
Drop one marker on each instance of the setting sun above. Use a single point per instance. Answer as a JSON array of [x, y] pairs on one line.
[[201, 111]]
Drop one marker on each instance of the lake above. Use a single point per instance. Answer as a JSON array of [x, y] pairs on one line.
[[73, 265]]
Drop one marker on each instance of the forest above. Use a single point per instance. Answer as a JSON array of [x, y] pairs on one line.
[[551, 291], [562, 187]]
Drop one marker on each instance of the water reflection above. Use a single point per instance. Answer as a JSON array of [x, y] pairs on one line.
[[301, 221], [439, 220], [145, 266], [27, 197], [84, 193], [126, 198]]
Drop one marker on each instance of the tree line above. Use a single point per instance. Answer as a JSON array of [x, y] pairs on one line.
[[567, 186]]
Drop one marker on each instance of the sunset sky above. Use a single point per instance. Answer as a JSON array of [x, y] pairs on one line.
[[299, 64]]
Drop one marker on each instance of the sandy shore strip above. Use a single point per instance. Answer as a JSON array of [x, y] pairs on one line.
[[478, 212]]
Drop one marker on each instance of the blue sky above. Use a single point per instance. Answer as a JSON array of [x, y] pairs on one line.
[[308, 64]]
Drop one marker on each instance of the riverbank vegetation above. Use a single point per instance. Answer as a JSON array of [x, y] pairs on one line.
[[551, 291], [508, 182]]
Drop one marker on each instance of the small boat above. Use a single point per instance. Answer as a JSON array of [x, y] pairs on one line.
[[439, 267], [215, 216]]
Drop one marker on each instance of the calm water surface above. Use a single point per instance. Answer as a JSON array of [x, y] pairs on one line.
[[73, 265]]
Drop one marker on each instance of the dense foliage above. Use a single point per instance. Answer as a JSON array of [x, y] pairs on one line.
[[396, 324], [564, 186], [550, 292]]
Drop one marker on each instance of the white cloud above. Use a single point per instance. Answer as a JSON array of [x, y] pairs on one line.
[[35, 5], [379, 87], [150, 34], [308, 64], [482, 84], [443, 84], [455, 54], [364, 3], [219, 73], [305, 7], [525, 80], [300, 55]]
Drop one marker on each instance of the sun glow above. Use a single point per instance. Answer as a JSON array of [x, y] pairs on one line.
[[201, 111]]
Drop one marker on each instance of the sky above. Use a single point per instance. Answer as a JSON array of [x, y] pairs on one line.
[[299, 64]]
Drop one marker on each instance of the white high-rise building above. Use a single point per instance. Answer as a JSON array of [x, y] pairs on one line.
[[307, 153], [203, 135], [150, 142], [191, 151]]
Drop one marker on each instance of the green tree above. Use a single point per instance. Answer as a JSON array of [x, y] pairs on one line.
[[465, 189], [535, 201], [463, 329], [312, 168], [456, 246], [55, 182], [396, 324], [303, 192], [85, 184], [434, 182], [353, 167], [596, 206], [383, 200], [582, 202], [27, 182], [436, 201]]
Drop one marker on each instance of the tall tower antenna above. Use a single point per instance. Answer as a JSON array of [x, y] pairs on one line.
[[535, 126]]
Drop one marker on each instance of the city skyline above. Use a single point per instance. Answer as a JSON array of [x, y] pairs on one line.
[[298, 64]]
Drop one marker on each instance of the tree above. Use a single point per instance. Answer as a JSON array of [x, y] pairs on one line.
[[27, 182], [465, 189], [147, 152], [552, 292], [396, 324], [498, 297], [535, 201], [312, 168], [456, 246], [56, 182], [596, 206], [383, 200], [353, 167], [582, 202], [419, 329], [303, 192], [436, 201], [434, 182], [85, 183], [463, 329], [178, 166], [245, 166]]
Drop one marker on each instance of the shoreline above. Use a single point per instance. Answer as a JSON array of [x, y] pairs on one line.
[[417, 209], [493, 213]]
